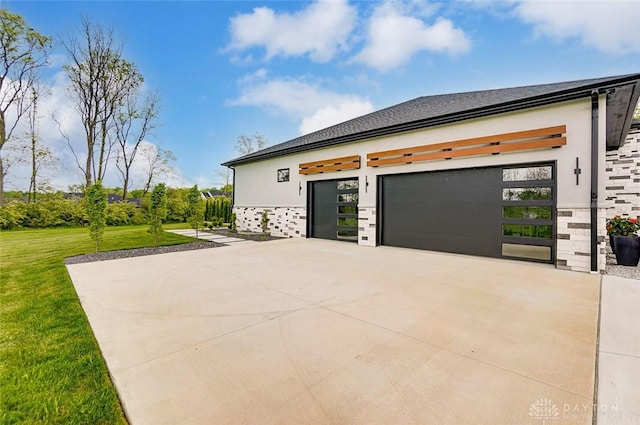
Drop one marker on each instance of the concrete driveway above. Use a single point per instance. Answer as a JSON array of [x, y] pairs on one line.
[[321, 332]]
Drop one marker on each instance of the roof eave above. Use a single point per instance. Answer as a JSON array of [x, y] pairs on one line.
[[543, 100]]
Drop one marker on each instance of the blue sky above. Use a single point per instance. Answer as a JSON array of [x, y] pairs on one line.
[[284, 68]]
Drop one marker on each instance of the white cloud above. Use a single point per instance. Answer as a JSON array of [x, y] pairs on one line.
[[609, 26], [307, 102], [331, 115], [319, 30], [394, 36]]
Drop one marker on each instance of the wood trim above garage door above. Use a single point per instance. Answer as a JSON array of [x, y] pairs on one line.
[[333, 164], [549, 137]]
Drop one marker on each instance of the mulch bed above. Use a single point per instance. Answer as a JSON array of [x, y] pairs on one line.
[[138, 252], [258, 237]]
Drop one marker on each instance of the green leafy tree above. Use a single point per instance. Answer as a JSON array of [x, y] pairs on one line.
[[23, 54], [157, 211], [195, 209], [228, 189], [97, 212], [177, 205]]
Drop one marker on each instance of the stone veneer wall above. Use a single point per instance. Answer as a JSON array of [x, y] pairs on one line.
[[287, 222], [623, 178], [574, 239], [367, 226]]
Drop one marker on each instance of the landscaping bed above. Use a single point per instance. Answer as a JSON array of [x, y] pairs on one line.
[[137, 252], [259, 237]]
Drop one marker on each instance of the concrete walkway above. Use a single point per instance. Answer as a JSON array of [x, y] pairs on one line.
[[618, 398], [321, 332], [206, 236]]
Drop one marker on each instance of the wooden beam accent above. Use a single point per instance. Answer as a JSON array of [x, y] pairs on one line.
[[330, 165], [542, 138]]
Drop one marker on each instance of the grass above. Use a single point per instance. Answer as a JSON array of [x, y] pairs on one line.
[[51, 370]]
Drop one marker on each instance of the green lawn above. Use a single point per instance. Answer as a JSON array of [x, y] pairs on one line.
[[51, 370]]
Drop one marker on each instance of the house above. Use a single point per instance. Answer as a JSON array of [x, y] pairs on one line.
[[515, 173], [212, 194], [113, 198]]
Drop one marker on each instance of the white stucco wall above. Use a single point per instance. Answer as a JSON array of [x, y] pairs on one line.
[[256, 183]]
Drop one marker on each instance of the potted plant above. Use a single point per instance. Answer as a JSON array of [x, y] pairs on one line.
[[623, 234]]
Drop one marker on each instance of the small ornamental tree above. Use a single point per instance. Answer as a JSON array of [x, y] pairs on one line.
[[264, 222], [195, 209], [97, 212], [157, 211]]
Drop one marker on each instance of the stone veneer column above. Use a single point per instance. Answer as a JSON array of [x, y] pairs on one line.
[[367, 226], [287, 222], [623, 178], [574, 239]]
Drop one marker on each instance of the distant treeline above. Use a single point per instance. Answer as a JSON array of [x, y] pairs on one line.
[[56, 210]]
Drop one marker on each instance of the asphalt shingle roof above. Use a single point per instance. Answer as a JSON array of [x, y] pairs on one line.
[[427, 111]]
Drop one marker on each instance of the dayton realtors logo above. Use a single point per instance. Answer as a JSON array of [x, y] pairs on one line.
[[543, 409]]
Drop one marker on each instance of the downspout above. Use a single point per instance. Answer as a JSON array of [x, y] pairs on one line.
[[233, 187], [594, 180]]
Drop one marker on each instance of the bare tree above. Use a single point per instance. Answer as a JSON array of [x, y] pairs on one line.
[[248, 144], [23, 54], [133, 121], [39, 155], [100, 79], [225, 175], [158, 163]]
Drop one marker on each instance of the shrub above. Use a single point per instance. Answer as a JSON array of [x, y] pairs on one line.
[[120, 213], [10, 216]]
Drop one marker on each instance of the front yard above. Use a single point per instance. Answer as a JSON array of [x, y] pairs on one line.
[[51, 370]]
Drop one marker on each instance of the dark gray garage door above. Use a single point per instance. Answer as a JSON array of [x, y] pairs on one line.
[[493, 212], [333, 209]]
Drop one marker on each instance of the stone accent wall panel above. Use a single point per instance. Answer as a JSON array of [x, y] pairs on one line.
[[286, 222], [574, 239], [622, 189]]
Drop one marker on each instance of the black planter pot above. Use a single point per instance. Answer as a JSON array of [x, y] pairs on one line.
[[627, 250], [613, 248]]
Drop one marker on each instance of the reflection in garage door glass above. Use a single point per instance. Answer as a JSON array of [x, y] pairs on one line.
[[348, 197], [526, 193], [526, 174]]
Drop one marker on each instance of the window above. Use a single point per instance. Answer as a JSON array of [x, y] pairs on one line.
[[347, 184], [531, 252], [527, 230], [347, 221], [526, 193], [527, 174], [283, 175], [513, 211], [348, 197], [347, 209]]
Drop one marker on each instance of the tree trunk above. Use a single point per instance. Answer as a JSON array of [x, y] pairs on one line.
[[3, 139], [125, 183], [34, 170], [103, 143], [87, 171], [1, 182]]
